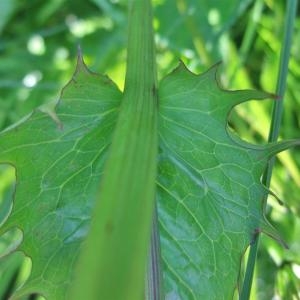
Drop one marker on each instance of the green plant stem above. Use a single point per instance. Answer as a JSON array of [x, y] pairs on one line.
[[112, 263], [291, 9]]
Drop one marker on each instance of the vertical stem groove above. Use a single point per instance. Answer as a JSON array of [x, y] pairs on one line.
[[112, 264]]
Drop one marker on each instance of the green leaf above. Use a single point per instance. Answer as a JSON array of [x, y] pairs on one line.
[[59, 160], [209, 190]]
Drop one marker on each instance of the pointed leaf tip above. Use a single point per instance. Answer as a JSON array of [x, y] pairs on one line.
[[212, 73], [273, 149], [80, 65], [269, 192], [79, 50], [182, 68], [50, 109], [269, 230]]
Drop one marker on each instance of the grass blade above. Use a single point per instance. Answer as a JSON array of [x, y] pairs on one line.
[[291, 9]]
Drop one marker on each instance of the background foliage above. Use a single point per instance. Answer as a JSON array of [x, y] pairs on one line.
[[38, 48]]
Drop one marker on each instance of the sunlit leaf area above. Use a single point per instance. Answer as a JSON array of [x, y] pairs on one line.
[[39, 44]]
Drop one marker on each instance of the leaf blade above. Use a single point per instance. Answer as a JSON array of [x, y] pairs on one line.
[[48, 208], [209, 196]]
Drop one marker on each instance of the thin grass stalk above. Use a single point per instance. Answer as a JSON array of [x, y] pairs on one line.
[[291, 9]]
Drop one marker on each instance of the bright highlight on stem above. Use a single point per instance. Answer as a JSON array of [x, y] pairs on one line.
[[113, 259]]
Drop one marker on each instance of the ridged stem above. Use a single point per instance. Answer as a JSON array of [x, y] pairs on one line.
[[114, 256]]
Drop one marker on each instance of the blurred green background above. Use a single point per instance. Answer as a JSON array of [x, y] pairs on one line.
[[38, 48]]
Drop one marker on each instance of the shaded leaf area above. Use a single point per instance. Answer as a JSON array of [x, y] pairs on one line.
[[58, 161], [209, 190]]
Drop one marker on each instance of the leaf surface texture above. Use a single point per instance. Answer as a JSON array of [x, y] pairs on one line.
[[208, 186]]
